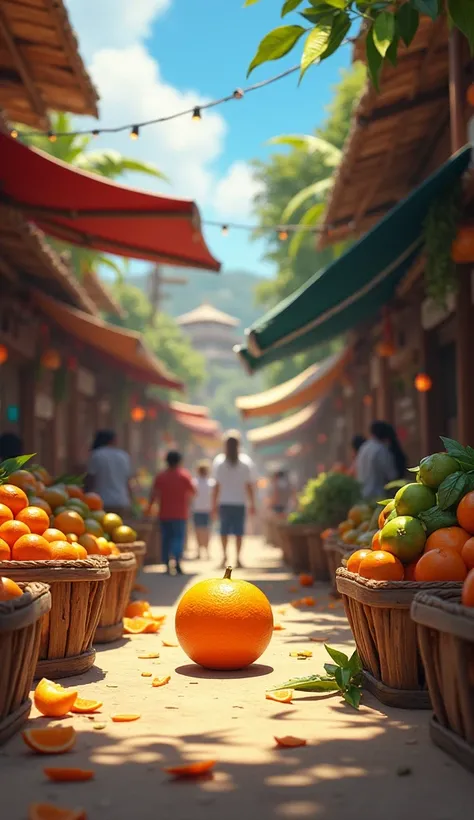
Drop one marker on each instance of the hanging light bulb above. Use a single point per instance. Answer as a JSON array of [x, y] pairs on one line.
[[14, 133], [238, 94], [52, 137], [423, 383], [196, 113], [225, 230], [135, 132], [282, 235], [95, 132]]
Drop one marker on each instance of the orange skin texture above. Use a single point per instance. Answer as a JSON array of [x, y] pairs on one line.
[[224, 623], [353, 562], [52, 699], [465, 513], [9, 589], [440, 565], [32, 548], [381, 566], [11, 531], [448, 538], [5, 551], [468, 589], [13, 497], [35, 518], [467, 553], [5, 514]]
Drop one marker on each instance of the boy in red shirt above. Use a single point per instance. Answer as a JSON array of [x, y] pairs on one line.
[[173, 489]]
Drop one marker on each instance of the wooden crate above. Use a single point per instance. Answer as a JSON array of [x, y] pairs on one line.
[[335, 552], [117, 595], [298, 548]]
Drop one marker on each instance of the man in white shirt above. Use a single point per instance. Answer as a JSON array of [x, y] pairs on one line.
[[202, 507], [234, 489]]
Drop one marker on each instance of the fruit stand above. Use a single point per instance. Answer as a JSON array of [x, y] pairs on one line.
[[21, 614], [116, 597]]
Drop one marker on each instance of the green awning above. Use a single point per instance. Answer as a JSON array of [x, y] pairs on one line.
[[354, 287]]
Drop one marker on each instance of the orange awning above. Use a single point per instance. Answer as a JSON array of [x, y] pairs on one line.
[[189, 409], [284, 429], [125, 348], [308, 386], [199, 426]]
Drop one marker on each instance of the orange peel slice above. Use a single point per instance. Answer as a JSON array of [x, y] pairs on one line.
[[52, 699], [83, 706], [68, 775], [280, 695], [125, 718], [290, 742], [187, 770], [139, 626], [49, 811], [156, 682], [50, 741]]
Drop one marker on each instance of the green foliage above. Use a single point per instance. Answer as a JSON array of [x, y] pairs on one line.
[[385, 24], [439, 233], [463, 455], [344, 675], [11, 465], [326, 500]]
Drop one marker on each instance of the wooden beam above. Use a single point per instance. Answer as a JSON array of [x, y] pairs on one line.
[[23, 70], [456, 90]]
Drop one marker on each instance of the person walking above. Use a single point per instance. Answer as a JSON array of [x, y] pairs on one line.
[[375, 463], [173, 490], [233, 492], [281, 493], [202, 507], [109, 473]]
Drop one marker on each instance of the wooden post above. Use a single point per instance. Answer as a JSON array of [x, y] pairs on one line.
[[457, 90]]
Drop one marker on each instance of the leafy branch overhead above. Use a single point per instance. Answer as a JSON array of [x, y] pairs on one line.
[[386, 25]]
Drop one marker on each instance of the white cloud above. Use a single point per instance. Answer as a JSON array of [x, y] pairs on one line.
[[115, 23], [235, 192]]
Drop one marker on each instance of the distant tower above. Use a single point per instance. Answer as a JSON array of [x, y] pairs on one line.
[[212, 333]]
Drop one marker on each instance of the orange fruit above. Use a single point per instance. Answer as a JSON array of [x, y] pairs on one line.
[[5, 551], [440, 565], [344, 526], [467, 553], [93, 527], [13, 497], [52, 741], [381, 566], [31, 548], [306, 580], [135, 608], [106, 548], [72, 538], [5, 514], [125, 718], [70, 521], [280, 695], [49, 811], [23, 479], [55, 496], [89, 542], [93, 501], [464, 513], [11, 531], [35, 501], [52, 699], [64, 551], [353, 562], [9, 589], [375, 543], [61, 775], [410, 571], [468, 589], [35, 518], [384, 514], [290, 742], [51, 534], [86, 707], [74, 491], [138, 626], [447, 538], [186, 770], [224, 624]]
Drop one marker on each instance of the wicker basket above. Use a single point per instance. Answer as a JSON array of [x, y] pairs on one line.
[[139, 550], [117, 595], [77, 594], [446, 639], [148, 531], [385, 636], [317, 558], [298, 552], [335, 551], [20, 633]]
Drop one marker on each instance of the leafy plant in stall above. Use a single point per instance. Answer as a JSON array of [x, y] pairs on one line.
[[344, 675], [11, 465], [326, 500]]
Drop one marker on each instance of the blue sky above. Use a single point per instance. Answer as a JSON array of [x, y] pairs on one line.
[[151, 57]]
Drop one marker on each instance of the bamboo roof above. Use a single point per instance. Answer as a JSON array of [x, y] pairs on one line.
[[394, 134], [41, 68], [207, 314]]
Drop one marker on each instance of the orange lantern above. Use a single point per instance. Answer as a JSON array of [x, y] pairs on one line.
[[462, 249], [423, 383], [385, 349], [50, 359], [368, 400], [3, 354], [137, 414]]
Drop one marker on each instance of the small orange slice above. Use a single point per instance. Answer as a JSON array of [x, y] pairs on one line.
[[52, 699], [69, 775], [278, 627], [138, 626], [290, 742], [53, 741], [125, 718], [160, 681], [148, 656], [191, 769], [48, 811], [86, 707], [169, 643], [137, 609], [280, 695]]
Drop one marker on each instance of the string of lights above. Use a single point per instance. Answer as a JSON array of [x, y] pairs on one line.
[[282, 231]]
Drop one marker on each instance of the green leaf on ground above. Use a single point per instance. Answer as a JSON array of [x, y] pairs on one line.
[[338, 657], [353, 695], [311, 683], [276, 44]]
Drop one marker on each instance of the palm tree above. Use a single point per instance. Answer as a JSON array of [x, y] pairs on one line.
[[314, 192], [107, 163]]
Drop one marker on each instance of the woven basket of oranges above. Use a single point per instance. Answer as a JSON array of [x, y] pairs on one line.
[[123, 567], [335, 552], [139, 550], [22, 610]]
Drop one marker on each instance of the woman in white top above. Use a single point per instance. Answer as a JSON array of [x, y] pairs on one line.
[[202, 507], [234, 474]]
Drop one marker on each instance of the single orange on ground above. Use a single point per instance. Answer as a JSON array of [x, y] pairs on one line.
[[64, 551], [440, 565], [139, 626], [93, 501], [156, 682], [35, 501], [135, 608], [52, 699], [49, 811], [70, 521], [410, 571], [381, 566], [13, 497], [5, 514], [375, 543], [223, 623], [61, 775], [11, 531], [52, 534], [31, 548], [306, 580], [23, 479], [35, 518], [467, 553], [51, 741], [290, 742], [89, 543], [464, 513], [353, 562], [447, 538], [9, 589], [5, 551], [86, 707], [280, 695], [125, 718], [468, 589], [191, 769]]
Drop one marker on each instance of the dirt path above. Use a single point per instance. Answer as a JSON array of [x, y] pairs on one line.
[[350, 769]]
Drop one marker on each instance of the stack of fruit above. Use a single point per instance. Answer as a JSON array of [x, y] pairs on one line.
[[42, 520], [426, 533], [360, 526]]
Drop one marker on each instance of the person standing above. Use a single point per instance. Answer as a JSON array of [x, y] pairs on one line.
[[233, 492], [202, 507], [109, 473], [281, 493], [375, 463], [173, 489]]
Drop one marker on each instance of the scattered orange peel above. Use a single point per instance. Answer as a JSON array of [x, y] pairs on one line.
[[290, 742], [125, 718], [86, 707], [280, 695], [54, 740], [61, 775], [156, 682], [188, 770], [170, 644]]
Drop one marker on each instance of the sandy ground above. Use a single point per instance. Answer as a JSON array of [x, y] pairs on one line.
[[372, 764]]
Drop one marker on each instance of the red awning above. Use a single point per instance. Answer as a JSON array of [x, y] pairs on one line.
[[200, 426], [93, 212]]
